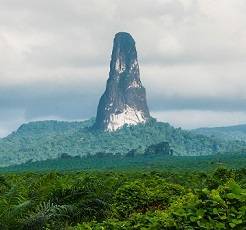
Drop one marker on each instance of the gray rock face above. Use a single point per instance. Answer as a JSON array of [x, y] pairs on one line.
[[124, 100]]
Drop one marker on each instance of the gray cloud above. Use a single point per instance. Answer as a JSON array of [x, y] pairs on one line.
[[55, 57]]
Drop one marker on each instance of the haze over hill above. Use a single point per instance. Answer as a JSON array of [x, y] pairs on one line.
[[236, 132]]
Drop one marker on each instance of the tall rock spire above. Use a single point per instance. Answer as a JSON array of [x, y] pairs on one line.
[[124, 100]]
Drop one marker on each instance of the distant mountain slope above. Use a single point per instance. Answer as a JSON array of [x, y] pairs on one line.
[[236, 132], [49, 139]]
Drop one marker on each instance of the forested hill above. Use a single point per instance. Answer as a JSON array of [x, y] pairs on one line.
[[237, 132], [49, 139]]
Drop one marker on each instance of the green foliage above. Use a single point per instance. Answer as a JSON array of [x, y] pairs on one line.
[[133, 161], [160, 148], [38, 141], [155, 200], [143, 195], [222, 208]]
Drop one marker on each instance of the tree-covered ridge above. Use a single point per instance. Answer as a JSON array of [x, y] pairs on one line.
[[49, 139], [124, 200], [236, 132]]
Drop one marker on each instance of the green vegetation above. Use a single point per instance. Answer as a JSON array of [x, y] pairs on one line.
[[75, 178], [237, 132], [126, 199], [158, 161], [39, 141]]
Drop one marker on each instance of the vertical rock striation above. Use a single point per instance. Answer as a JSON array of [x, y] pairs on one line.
[[124, 100]]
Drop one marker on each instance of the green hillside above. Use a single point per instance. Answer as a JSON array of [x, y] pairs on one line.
[[237, 132], [49, 139]]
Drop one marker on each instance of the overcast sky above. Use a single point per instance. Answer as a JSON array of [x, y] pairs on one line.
[[54, 58]]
